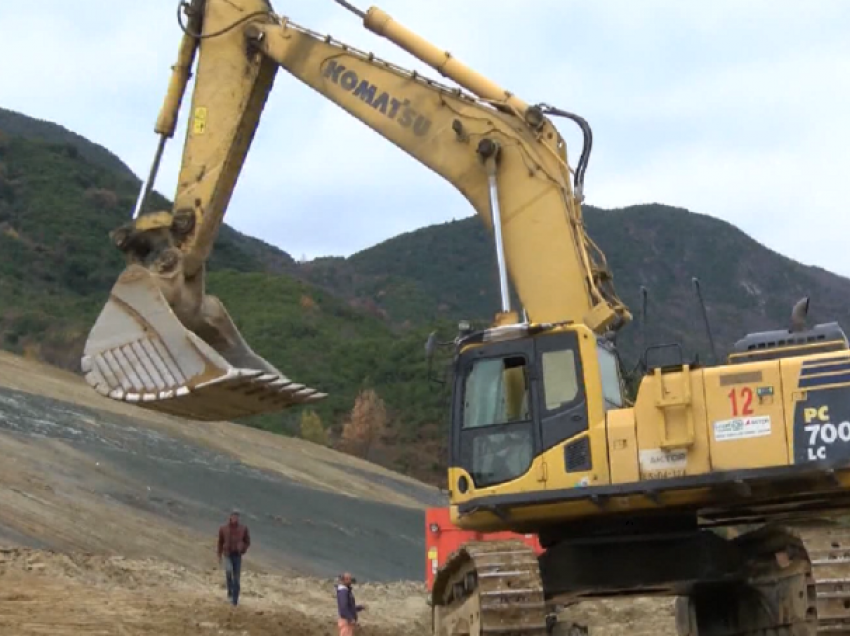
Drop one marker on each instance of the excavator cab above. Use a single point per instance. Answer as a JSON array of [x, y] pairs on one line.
[[519, 391]]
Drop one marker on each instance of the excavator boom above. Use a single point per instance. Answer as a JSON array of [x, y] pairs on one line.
[[503, 155]]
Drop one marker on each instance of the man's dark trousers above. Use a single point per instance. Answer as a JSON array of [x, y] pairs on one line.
[[233, 573]]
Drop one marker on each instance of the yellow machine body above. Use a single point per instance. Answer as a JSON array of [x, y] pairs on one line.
[[695, 439]]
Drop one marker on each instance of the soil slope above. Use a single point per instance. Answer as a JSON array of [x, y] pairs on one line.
[[82, 473]]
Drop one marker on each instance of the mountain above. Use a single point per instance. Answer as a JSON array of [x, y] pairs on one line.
[[17, 124], [448, 271], [345, 324]]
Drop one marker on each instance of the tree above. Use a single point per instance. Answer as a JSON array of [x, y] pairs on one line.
[[307, 303], [367, 422], [312, 429]]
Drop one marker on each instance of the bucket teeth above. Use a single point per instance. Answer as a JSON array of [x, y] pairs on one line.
[[139, 352]]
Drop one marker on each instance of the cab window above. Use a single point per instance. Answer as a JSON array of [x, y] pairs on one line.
[[612, 388], [560, 381], [496, 392]]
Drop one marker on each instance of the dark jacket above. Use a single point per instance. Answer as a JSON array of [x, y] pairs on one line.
[[233, 539], [345, 603]]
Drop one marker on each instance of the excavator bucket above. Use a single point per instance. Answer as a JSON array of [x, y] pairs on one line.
[[140, 352]]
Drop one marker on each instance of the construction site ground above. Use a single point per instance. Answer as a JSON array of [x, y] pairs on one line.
[[108, 519]]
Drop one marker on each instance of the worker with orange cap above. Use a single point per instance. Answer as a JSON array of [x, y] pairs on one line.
[[346, 605]]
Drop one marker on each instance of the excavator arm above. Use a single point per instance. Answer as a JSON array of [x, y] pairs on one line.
[[163, 343]]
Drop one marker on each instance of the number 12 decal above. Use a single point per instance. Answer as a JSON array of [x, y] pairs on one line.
[[746, 399]]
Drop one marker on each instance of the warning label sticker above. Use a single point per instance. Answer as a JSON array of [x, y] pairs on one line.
[[742, 428]]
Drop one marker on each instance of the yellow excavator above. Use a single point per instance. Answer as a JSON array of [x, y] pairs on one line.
[[722, 486]]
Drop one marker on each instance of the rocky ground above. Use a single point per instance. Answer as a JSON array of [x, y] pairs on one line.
[[45, 593], [49, 593]]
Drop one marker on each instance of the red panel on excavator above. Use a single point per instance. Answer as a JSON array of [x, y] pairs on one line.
[[442, 538]]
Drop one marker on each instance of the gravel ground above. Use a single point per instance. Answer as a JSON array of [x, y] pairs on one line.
[[65, 595], [68, 594]]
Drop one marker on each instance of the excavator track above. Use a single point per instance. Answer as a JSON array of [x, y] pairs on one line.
[[798, 584], [821, 552], [490, 588], [828, 551]]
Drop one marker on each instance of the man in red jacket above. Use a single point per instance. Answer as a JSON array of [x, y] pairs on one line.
[[233, 541]]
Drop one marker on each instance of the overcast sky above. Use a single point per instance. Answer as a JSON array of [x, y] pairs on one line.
[[734, 109]]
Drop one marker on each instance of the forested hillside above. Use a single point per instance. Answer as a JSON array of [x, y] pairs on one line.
[[57, 206], [347, 325], [449, 271]]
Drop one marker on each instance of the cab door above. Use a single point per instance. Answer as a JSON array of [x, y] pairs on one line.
[[496, 436], [561, 403]]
